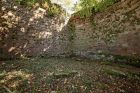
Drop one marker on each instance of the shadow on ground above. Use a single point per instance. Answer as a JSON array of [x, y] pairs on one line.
[[67, 75]]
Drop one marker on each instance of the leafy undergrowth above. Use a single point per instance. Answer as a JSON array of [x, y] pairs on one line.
[[67, 75]]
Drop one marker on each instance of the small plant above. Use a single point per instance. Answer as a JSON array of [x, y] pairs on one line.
[[32, 2], [54, 10], [90, 6]]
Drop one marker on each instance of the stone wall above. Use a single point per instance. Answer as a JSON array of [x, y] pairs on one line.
[[30, 32], [26, 31], [113, 31]]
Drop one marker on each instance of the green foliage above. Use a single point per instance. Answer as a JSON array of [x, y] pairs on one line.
[[86, 12], [54, 10], [25, 2], [116, 73], [88, 6], [31, 2], [104, 4]]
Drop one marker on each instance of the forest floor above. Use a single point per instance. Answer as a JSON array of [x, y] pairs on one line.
[[67, 75]]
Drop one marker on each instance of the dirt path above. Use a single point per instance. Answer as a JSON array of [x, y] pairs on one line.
[[65, 75]]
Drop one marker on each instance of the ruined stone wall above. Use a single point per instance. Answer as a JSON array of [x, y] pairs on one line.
[[113, 31], [26, 31], [30, 32]]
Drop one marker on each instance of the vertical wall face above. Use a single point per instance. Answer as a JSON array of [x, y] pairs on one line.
[[115, 31], [30, 32]]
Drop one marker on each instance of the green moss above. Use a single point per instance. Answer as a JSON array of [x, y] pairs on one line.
[[32, 2], [121, 74], [133, 75], [113, 72], [119, 59], [130, 60]]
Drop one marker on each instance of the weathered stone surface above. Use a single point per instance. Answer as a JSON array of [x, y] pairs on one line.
[[30, 32], [114, 31]]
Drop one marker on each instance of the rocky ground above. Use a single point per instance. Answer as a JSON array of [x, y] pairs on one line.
[[67, 75]]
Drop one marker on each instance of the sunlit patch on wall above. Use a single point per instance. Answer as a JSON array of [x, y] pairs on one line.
[[11, 49]]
